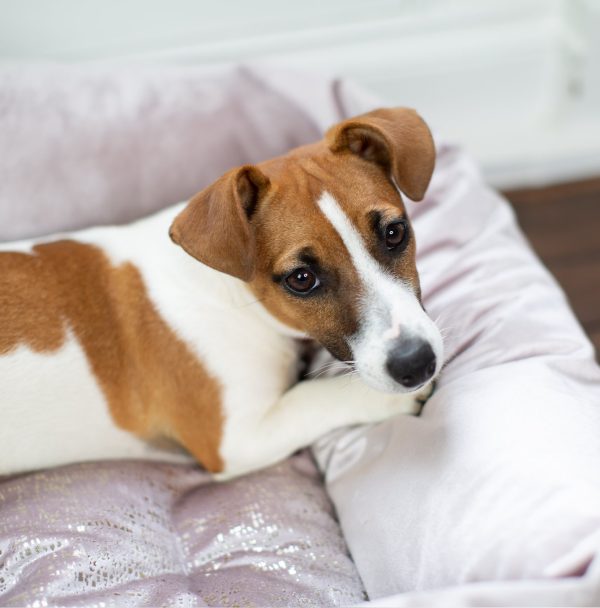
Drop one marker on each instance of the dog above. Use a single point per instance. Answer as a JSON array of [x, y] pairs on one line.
[[185, 328]]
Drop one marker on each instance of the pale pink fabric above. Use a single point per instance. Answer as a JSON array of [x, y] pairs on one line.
[[499, 479], [100, 145], [492, 496]]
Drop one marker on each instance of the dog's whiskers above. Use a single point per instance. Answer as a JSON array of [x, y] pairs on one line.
[[330, 366]]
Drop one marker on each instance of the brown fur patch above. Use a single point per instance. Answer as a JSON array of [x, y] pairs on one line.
[[153, 383]]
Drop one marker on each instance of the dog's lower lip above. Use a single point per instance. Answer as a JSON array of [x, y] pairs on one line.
[[413, 389]]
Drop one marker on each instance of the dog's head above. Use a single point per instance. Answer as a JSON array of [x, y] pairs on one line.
[[322, 238]]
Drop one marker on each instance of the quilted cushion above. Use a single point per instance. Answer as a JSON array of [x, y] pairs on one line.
[[163, 535]]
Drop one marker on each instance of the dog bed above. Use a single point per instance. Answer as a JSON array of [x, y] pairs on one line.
[[491, 497]]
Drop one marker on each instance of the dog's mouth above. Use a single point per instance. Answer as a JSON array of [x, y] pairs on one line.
[[402, 361]]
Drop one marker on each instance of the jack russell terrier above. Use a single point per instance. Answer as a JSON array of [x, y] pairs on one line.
[[112, 338]]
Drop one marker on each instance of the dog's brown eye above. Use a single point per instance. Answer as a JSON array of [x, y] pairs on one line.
[[302, 280], [395, 234]]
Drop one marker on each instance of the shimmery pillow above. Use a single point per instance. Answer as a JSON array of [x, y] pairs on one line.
[[142, 534]]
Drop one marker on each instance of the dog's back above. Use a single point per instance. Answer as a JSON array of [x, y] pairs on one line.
[[113, 341], [80, 339]]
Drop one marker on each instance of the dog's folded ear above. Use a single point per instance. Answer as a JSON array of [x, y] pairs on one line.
[[397, 139], [215, 225]]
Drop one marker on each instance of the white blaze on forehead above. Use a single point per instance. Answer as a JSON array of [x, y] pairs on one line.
[[366, 266], [389, 303], [386, 296], [369, 270]]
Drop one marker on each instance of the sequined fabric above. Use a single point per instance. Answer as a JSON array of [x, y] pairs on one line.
[[140, 534]]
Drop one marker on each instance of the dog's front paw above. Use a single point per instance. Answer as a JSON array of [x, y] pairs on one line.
[[426, 392], [380, 406], [421, 397]]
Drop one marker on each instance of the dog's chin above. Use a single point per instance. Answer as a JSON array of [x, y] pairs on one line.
[[383, 382], [388, 385]]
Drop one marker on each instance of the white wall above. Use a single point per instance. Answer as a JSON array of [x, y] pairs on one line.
[[517, 81]]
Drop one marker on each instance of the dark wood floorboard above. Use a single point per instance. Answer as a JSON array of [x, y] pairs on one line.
[[595, 336], [563, 224], [581, 281]]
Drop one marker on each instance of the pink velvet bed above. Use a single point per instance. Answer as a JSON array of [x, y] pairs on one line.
[[491, 497]]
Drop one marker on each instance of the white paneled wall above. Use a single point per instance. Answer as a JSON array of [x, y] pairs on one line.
[[517, 81]]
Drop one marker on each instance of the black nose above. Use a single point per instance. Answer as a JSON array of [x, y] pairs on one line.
[[411, 362]]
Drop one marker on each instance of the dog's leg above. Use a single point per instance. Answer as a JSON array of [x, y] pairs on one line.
[[311, 409]]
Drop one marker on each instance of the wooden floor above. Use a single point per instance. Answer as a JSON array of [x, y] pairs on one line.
[[563, 224]]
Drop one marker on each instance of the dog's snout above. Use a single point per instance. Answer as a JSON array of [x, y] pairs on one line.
[[411, 362]]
